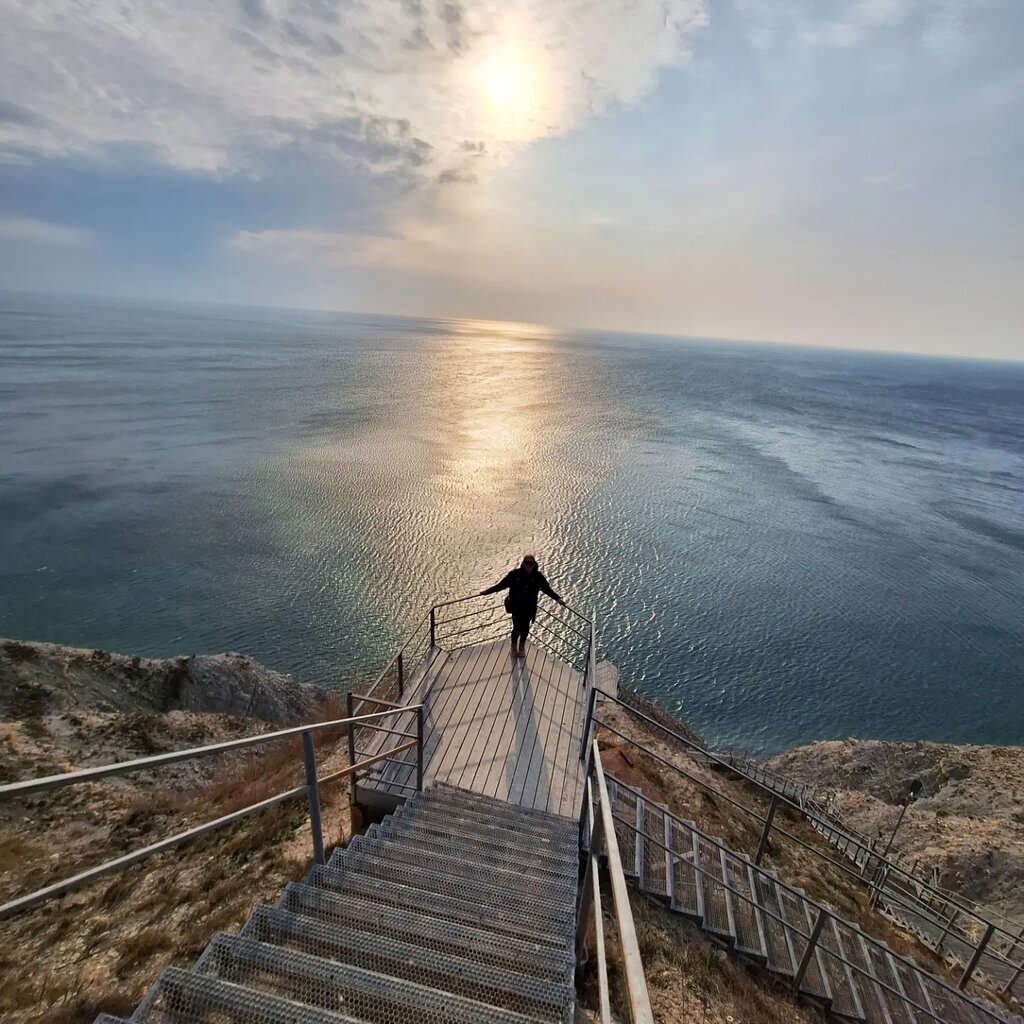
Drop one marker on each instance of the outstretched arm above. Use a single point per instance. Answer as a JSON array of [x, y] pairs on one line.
[[502, 584], [546, 588]]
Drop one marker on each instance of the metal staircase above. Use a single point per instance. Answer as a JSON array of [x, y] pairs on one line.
[[457, 908], [757, 916]]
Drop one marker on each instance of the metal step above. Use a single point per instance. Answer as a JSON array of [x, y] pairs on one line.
[[883, 969], [719, 915], [655, 880], [434, 932], [845, 999], [509, 847], [481, 816], [750, 939], [872, 999], [687, 896], [182, 996], [456, 797], [394, 893], [343, 988], [781, 957], [797, 913], [461, 879], [534, 996], [546, 887], [424, 842], [626, 810]]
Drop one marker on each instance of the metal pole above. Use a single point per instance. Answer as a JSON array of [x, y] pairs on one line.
[[976, 956], [805, 960], [946, 930], [315, 825], [433, 628], [401, 677], [351, 752], [589, 884], [1008, 989], [419, 747], [763, 844], [899, 822]]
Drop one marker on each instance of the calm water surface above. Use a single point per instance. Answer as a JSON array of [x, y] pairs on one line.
[[782, 544]]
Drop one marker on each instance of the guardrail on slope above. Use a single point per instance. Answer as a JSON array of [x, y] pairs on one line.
[[974, 935], [767, 820], [311, 790], [598, 831]]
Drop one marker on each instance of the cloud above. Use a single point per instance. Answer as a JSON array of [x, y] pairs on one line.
[[27, 231], [388, 87]]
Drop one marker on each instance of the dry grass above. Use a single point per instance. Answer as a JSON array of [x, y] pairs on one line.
[[98, 949], [691, 980]]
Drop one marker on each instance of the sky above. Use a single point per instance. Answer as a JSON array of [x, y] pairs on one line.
[[832, 172]]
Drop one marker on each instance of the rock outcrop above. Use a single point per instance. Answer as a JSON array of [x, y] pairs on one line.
[[967, 825]]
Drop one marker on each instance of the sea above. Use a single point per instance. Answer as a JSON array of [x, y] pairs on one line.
[[780, 544]]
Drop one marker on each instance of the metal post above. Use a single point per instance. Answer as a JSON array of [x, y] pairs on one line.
[[315, 825], [763, 844], [433, 628], [975, 957], [419, 747], [351, 751], [947, 929], [401, 677], [1008, 988], [589, 884], [805, 960]]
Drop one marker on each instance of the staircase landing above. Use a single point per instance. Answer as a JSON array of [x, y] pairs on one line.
[[501, 727]]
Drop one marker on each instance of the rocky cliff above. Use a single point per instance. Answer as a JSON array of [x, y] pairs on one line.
[[967, 825]]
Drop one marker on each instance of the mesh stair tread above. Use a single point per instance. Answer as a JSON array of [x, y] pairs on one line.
[[343, 988], [492, 816], [181, 995], [543, 887], [384, 954], [465, 880], [387, 891], [438, 932], [519, 853]]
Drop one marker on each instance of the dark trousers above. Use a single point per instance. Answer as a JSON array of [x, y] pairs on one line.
[[520, 628]]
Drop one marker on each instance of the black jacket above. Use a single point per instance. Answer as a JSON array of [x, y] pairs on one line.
[[523, 589]]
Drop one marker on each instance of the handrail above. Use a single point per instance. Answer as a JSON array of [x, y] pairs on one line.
[[765, 820], [640, 1011], [805, 813], [821, 908], [27, 786], [900, 888], [311, 789]]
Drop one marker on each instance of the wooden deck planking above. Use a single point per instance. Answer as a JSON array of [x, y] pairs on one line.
[[507, 728]]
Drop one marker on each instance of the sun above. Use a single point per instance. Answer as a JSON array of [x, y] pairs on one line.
[[509, 83]]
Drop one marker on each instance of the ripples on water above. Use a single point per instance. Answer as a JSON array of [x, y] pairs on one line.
[[783, 545]]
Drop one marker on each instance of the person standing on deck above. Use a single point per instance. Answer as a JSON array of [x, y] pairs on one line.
[[523, 585]]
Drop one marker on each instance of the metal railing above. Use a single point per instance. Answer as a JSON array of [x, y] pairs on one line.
[[767, 820], [972, 935], [310, 789], [599, 831], [935, 995]]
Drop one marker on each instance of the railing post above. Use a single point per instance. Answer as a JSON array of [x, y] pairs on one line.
[[351, 751], [946, 930], [1008, 988], [315, 825], [805, 960], [763, 843], [975, 957], [419, 747], [433, 628], [589, 880], [401, 677]]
